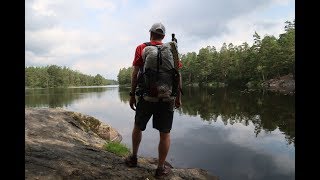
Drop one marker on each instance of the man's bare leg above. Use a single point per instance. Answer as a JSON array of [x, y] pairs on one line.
[[136, 139], [163, 148]]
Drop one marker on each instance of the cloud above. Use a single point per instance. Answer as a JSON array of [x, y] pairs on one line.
[[101, 4], [206, 18], [74, 32], [282, 2], [37, 17]]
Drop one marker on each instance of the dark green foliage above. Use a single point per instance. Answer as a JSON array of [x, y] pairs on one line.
[[267, 58], [55, 76], [124, 76]]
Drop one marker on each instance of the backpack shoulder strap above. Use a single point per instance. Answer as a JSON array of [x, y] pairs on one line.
[[159, 57]]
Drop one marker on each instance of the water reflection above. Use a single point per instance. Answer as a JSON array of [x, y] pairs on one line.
[[124, 94], [232, 134], [266, 110], [60, 97], [233, 158]]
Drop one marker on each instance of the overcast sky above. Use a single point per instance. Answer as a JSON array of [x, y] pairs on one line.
[[100, 36]]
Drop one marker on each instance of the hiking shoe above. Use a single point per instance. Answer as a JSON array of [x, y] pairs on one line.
[[164, 171], [131, 161]]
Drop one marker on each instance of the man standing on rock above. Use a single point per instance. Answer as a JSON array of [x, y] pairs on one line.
[[158, 92]]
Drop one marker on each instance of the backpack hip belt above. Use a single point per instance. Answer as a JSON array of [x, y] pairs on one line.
[[155, 99]]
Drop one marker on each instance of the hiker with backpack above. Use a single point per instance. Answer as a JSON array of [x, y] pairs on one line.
[[156, 83]]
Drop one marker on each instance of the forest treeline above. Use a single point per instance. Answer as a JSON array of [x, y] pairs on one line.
[[269, 57], [56, 76]]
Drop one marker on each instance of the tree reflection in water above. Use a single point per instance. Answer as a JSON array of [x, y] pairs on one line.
[[266, 110]]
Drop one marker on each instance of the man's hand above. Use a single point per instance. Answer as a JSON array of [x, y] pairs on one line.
[[133, 103], [177, 102]]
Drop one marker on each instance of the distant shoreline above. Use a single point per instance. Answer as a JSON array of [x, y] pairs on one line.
[[76, 87]]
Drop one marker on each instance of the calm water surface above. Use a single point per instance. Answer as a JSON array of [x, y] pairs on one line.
[[232, 134]]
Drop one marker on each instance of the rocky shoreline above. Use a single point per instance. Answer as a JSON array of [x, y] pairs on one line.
[[60, 144], [284, 84]]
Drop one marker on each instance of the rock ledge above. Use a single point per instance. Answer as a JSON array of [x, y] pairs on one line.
[[60, 144]]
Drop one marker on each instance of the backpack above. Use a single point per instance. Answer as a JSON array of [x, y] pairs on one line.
[[158, 76]]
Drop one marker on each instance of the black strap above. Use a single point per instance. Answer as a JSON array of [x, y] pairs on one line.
[[159, 58]]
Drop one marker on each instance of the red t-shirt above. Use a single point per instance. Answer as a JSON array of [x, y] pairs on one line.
[[138, 61]]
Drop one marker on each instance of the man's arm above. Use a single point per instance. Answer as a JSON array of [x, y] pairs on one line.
[[134, 80]]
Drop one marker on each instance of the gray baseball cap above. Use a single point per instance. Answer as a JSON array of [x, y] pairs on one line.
[[158, 28]]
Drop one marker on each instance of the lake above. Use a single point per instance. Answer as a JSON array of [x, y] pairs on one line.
[[230, 133]]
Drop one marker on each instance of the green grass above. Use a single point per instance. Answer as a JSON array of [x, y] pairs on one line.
[[117, 148]]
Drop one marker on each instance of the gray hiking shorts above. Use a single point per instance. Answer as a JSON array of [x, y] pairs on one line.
[[162, 113]]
